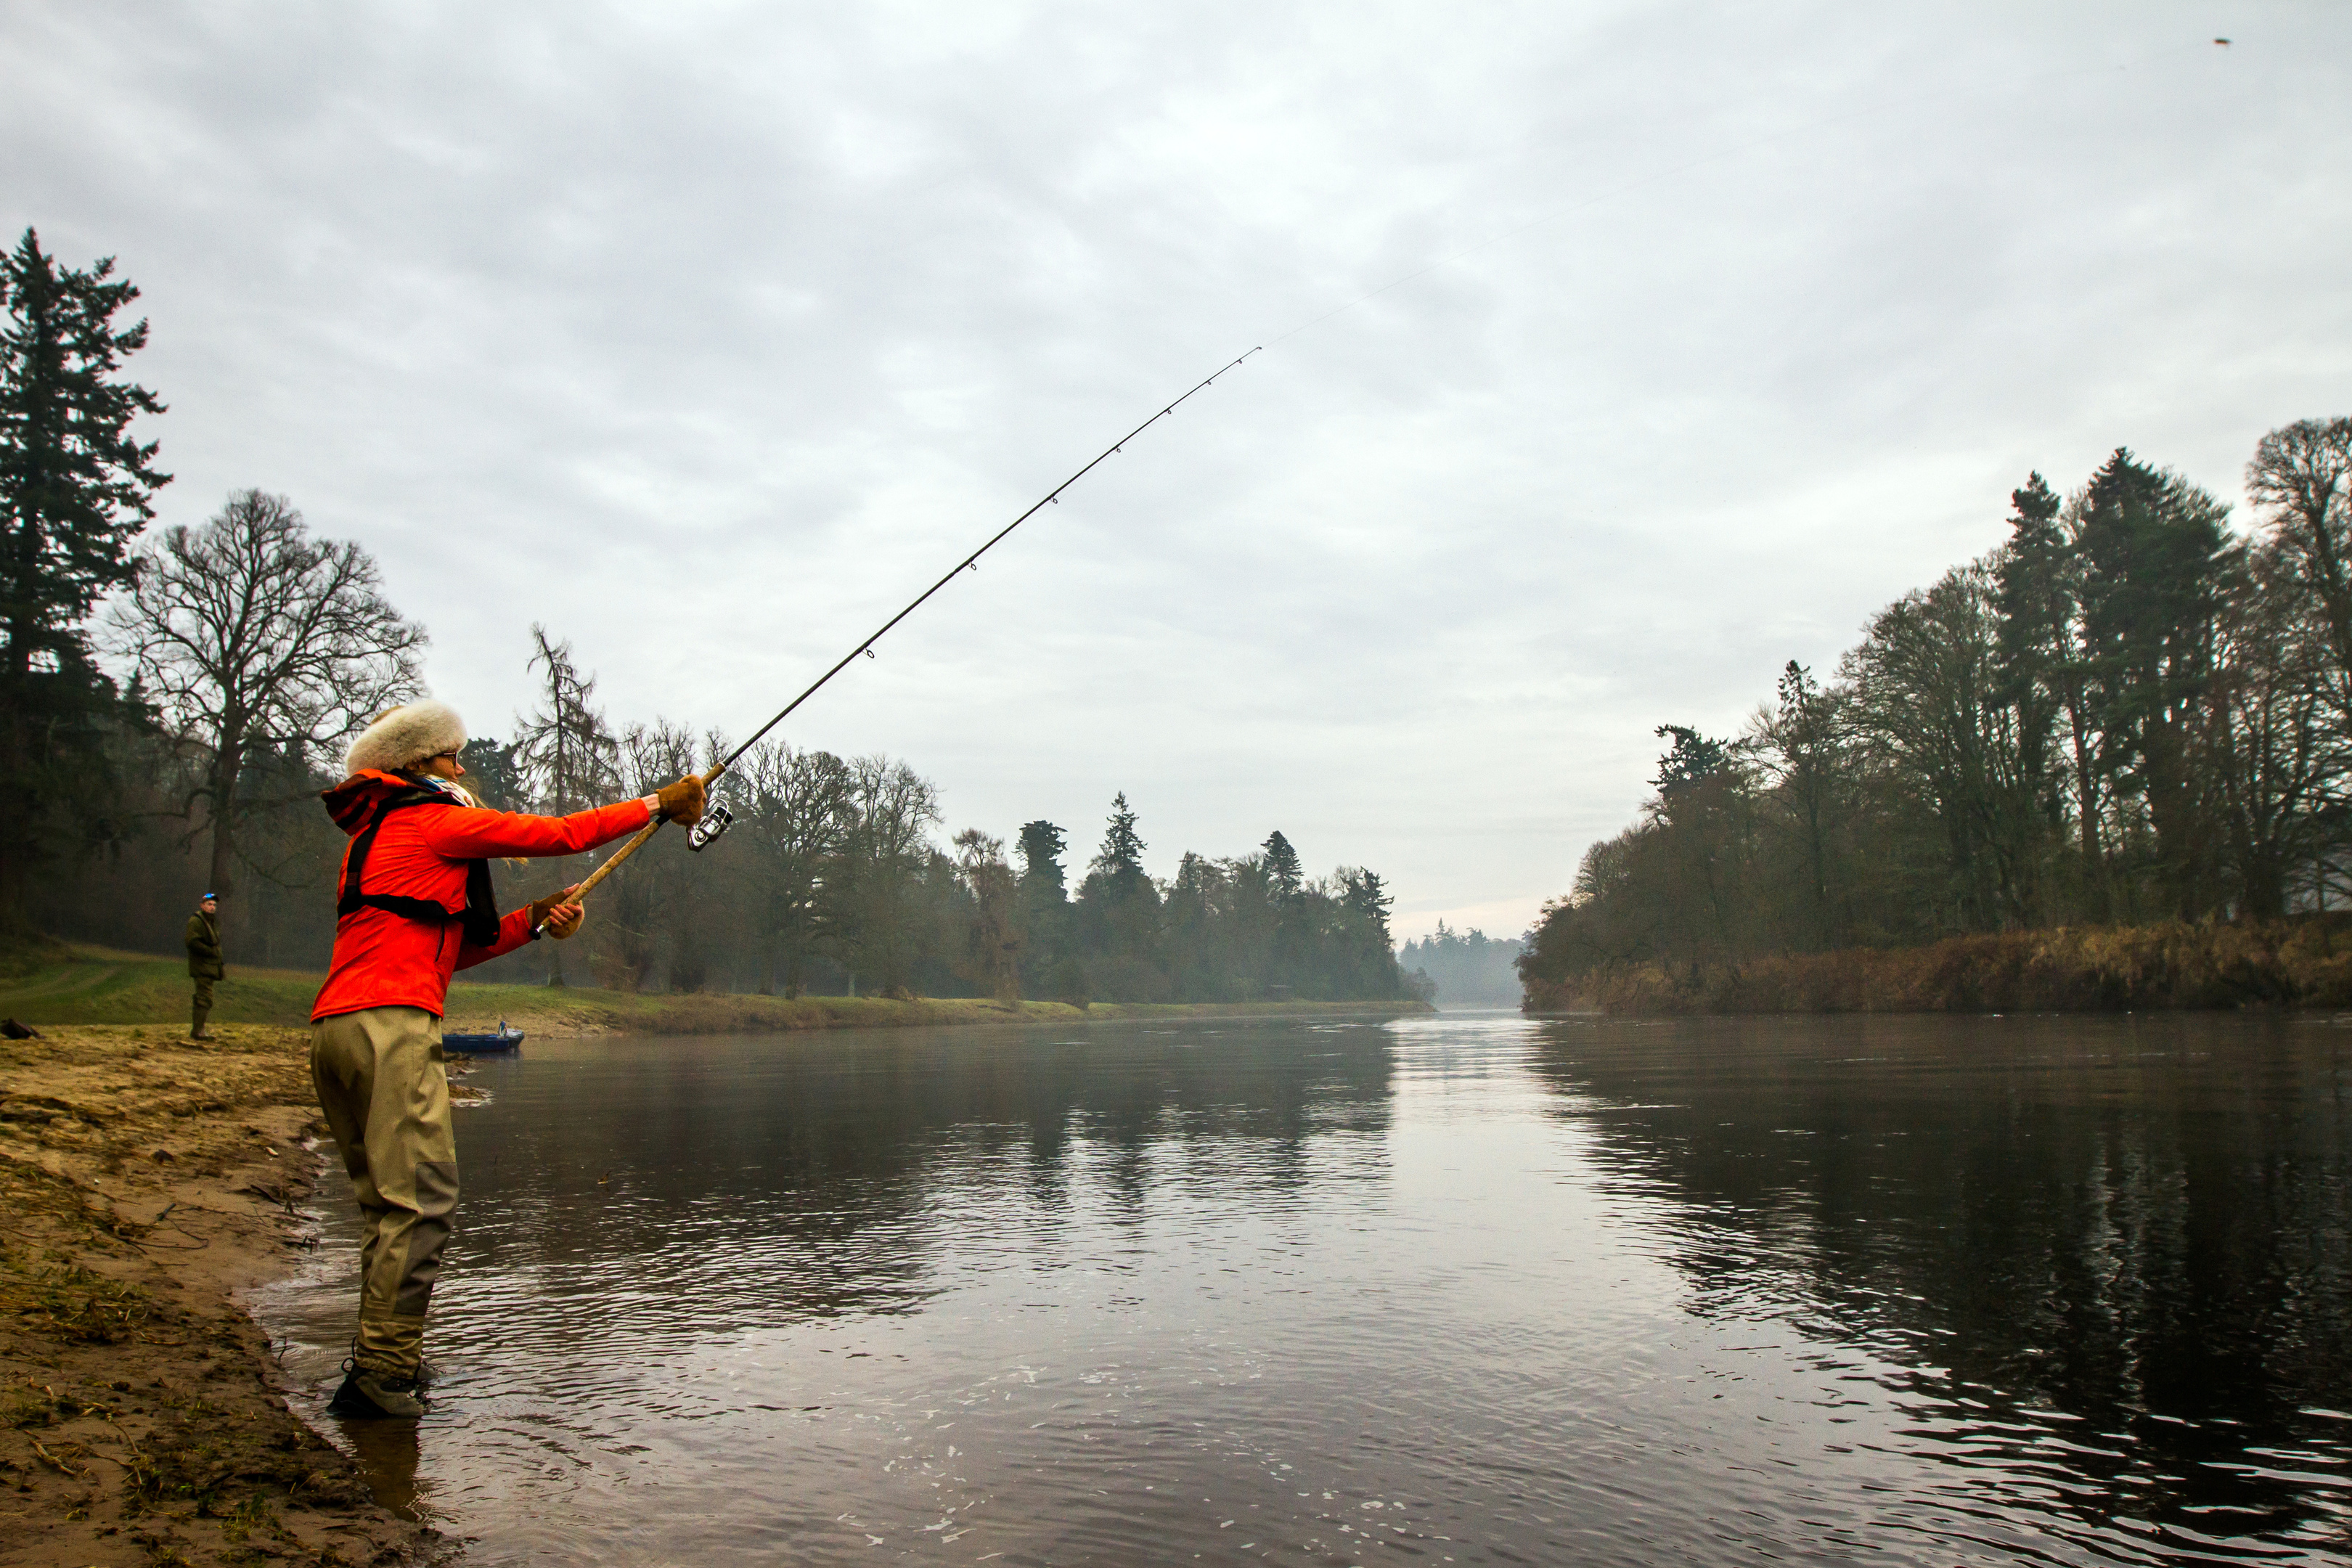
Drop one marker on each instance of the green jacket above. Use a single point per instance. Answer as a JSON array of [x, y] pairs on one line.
[[204, 947]]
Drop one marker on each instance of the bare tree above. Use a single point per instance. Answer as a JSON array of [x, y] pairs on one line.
[[650, 898], [564, 752], [797, 817], [2275, 734], [869, 900], [247, 633], [993, 940], [564, 749], [2301, 477]]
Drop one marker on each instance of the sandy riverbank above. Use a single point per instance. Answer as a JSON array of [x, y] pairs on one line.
[[145, 1181]]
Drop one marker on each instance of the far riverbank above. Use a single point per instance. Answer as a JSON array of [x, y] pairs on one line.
[[78, 984], [2305, 962]]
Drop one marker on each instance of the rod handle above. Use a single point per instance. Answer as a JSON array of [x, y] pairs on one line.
[[631, 847]]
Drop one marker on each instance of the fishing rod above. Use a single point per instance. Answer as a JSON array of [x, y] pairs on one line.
[[715, 819]]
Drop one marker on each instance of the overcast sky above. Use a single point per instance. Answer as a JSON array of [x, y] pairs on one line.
[[706, 335]]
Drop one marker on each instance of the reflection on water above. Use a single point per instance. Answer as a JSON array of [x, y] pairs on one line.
[[2109, 1255], [1470, 1289]]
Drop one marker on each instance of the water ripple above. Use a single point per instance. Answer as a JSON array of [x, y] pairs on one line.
[[1459, 1289]]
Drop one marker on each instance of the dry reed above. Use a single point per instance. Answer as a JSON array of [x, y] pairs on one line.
[[2299, 962]]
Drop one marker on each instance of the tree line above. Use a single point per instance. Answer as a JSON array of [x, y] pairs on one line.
[[1463, 969], [834, 878], [2129, 711], [171, 706]]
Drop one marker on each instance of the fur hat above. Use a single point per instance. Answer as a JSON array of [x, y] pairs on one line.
[[405, 736]]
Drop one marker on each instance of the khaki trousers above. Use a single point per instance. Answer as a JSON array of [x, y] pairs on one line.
[[381, 1082]]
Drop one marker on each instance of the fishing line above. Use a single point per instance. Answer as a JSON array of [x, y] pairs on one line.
[[717, 818], [970, 562]]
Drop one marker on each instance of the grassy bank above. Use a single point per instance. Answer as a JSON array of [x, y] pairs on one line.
[[2304, 963], [77, 984]]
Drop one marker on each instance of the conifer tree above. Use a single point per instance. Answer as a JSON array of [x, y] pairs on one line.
[[1116, 921], [1370, 958], [494, 772], [1120, 861], [1281, 867], [1043, 881], [1695, 758], [74, 490], [2154, 556], [1288, 917], [2042, 676], [1797, 745], [1045, 896]]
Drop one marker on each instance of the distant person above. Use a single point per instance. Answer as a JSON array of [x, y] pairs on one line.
[[415, 904], [204, 965]]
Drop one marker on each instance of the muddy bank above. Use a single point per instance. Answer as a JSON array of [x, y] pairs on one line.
[[2301, 963], [145, 1180]]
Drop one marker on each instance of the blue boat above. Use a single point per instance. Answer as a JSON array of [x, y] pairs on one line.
[[507, 1038]]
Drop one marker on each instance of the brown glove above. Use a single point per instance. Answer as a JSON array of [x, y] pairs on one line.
[[683, 801], [553, 916]]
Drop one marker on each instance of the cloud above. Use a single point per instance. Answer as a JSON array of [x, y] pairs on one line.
[[708, 334]]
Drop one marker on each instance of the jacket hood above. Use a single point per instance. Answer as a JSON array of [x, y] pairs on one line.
[[350, 802]]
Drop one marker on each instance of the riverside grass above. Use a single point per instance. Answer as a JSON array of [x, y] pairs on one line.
[[2304, 961], [58, 983]]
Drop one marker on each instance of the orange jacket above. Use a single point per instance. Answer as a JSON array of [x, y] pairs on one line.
[[426, 852]]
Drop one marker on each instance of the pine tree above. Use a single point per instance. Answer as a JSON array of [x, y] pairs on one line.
[[1044, 901], [1281, 867], [494, 772], [1120, 859], [1694, 760], [1289, 937], [1797, 745], [74, 490], [2042, 676], [2156, 559], [1371, 958], [1115, 923], [1043, 881]]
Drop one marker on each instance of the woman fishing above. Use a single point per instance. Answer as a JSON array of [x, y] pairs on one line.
[[413, 906]]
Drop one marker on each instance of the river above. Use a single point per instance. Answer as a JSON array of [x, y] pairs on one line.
[[1452, 1288]]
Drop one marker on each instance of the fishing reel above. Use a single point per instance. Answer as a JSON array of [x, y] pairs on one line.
[[716, 820]]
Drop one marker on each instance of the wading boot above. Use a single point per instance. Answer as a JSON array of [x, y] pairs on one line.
[[368, 1394]]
